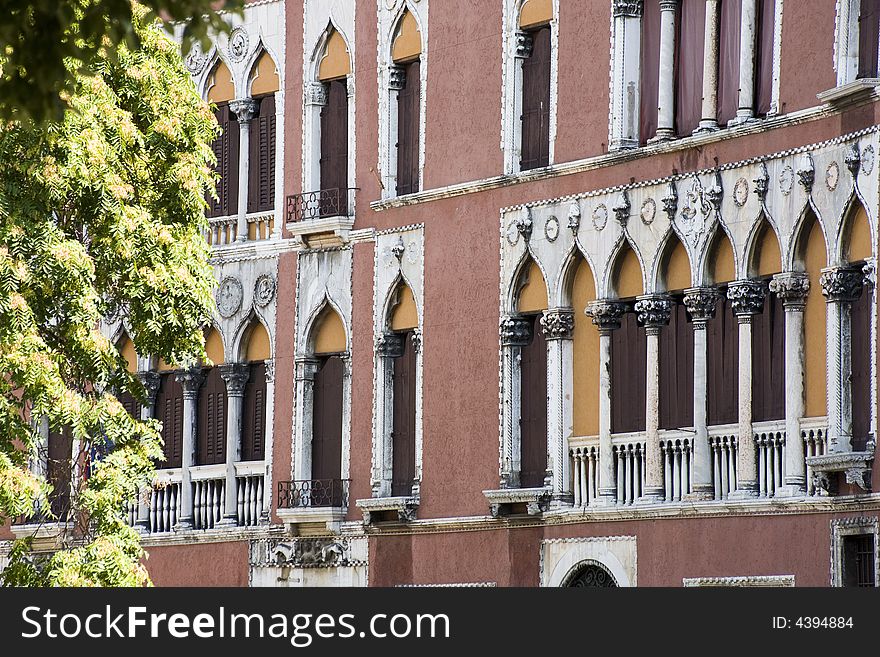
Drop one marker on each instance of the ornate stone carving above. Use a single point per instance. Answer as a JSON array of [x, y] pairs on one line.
[[309, 552], [416, 338], [762, 182], [558, 324], [264, 290], [606, 314], [806, 173], [574, 217], [853, 159], [628, 8], [648, 211], [869, 272], [654, 310], [190, 380], [316, 93], [841, 284], [398, 249], [741, 192], [868, 160], [696, 214], [195, 59], [600, 217], [396, 78], [551, 229], [621, 208], [236, 376], [700, 303], [524, 224], [670, 200], [746, 297], [229, 296], [792, 288], [150, 381], [832, 176], [238, 44], [515, 332], [244, 109], [389, 345], [716, 192], [270, 370], [786, 180], [523, 45]]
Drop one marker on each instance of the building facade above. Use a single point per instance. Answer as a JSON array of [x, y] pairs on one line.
[[531, 293]]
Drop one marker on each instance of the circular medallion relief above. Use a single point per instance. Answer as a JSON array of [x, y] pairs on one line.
[[195, 60], [229, 296], [551, 229], [648, 211], [786, 180], [264, 290], [741, 192], [600, 217], [512, 233], [238, 44], [832, 176], [868, 159]]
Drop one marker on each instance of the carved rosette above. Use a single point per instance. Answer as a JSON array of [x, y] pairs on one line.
[[190, 380], [841, 284], [700, 303], [654, 311], [244, 109], [792, 288], [515, 332], [150, 381], [236, 376], [628, 8], [558, 324], [390, 345], [523, 45], [746, 297], [606, 314]]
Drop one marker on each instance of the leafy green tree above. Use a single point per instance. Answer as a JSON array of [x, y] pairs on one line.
[[101, 215], [40, 38]]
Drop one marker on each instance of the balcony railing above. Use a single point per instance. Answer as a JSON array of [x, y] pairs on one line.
[[318, 205], [313, 493]]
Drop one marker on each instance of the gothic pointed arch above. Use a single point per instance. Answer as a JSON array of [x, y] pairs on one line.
[[763, 254], [719, 265], [627, 275], [332, 57], [585, 349], [327, 334], [529, 293], [856, 237], [590, 574], [219, 84], [673, 265], [263, 77]]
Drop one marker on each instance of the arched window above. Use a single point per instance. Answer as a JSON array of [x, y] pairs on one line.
[[169, 411], [59, 468], [226, 146], [333, 74], [722, 338], [261, 142], [676, 344], [591, 575], [535, 19], [253, 433], [403, 323], [126, 348], [211, 422], [406, 88], [628, 350]]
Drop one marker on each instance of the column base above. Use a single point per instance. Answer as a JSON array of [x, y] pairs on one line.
[[605, 499], [663, 134], [706, 126], [746, 490], [741, 119], [142, 528], [228, 521], [700, 494], [652, 496], [561, 500], [792, 490], [183, 524]]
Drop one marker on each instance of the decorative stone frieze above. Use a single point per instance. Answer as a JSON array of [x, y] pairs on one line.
[[558, 324], [700, 303], [515, 332], [654, 311], [746, 297], [244, 109], [792, 288], [236, 376], [606, 314], [856, 467], [841, 284]]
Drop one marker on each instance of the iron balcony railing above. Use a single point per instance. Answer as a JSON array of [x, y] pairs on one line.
[[313, 493], [317, 205]]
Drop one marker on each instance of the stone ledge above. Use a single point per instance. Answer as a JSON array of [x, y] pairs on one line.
[[855, 465], [404, 506], [537, 500], [848, 92]]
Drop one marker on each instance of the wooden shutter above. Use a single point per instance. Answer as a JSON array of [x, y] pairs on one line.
[[169, 410], [211, 441], [649, 75], [533, 409], [860, 346], [131, 405], [408, 117], [403, 466], [536, 103], [628, 375], [768, 362], [334, 141], [722, 337], [677, 371], [728, 60], [766, 24], [59, 465], [261, 157], [253, 434], [327, 420], [691, 29], [869, 26], [226, 151]]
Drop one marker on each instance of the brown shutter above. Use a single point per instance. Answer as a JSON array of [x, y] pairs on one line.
[[536, 103], [169, 410], [677, 371], [691, 30], [628, 375], [860, 345], [211, 428], [131, 405], [728, 61], [403, 466], [408, 116], [768, 362], [225, 149], [722, 337], [533, 409], [261, 157], [649, 79], [334, 143], [58, 470], [327, 420], [764, 57], [253, 431], [869, 26]]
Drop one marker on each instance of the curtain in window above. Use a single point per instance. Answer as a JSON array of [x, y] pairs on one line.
[[689, 66]]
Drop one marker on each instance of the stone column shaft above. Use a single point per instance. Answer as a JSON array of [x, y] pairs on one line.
[[558, 328], [190, 380], [625, 71], [515, 334], [748, 33], [709, 120], [235, 375], [245, 110], [150, 381], [666, 81]]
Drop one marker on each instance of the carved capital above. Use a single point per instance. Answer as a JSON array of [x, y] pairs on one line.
[[150, 381], [316, 94], [841, 284], [190, 380], [792, 287], [416, 338], [606, 314], [669, 5], [236, 376], [305, 368], [558, 324], [390, 345], [515, 332], [746, 297], [621, 208], [270, 370], [244, 109], [700, 303], [654, 311], [628, 8], [396, 78], [523, 45]]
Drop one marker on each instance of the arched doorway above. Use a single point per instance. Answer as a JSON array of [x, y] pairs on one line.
[[591, 575]]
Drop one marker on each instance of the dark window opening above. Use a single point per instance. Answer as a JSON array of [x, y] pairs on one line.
[[253, 435], [649, 74], [628, 375], [690, 35], [403, 435], [226, 148], [722, 338], [58, 471], [728, 61], [533, 408], [261, 157], [768, 362], [860, 350], [169, 411], [859, 560], [677, 371], [334, 139], [536, 103], [327, 420], [765, 32], [211, 440], [408, 121], [869, 35]]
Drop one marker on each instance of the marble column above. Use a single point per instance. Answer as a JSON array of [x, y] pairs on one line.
[[792, 288], [626, 64], [150, 381], [666, 80], [747, 300], [389, 346], [190, 380], [841, 287], [236, 376], [558, 327], [747, 42], [515, 334], [606, 316], [245, 109], [269, 451], [700, 303], [654, 312], [304, 380], [709, 120]]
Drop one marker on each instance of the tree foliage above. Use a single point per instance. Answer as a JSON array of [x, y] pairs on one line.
[[101, 214], [39, 39]]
